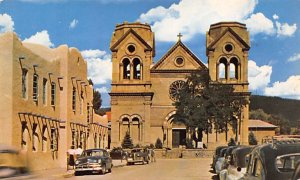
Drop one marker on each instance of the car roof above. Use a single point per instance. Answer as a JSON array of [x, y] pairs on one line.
[[268, 153], [95, 149], [239, 155]]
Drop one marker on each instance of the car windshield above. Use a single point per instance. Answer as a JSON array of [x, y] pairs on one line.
[[93, 153]]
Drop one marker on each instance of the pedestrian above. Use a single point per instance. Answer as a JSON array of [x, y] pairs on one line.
[[78, 151], [153, 155], [71, 157]]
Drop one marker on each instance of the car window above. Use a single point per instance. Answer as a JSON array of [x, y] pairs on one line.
[[287, 163], [92, 153], [258, 170]]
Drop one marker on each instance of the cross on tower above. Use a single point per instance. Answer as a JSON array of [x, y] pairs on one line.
[[179, 36]]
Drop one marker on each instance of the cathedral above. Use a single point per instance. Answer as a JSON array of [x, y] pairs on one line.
[[143, 92]]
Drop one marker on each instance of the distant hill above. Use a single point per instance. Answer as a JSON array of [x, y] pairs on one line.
[[289, 108]]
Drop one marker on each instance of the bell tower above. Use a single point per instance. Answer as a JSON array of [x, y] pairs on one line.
[[227, 47], [132, 47]]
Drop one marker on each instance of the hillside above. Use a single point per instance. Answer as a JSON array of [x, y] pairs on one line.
[[289, 108]]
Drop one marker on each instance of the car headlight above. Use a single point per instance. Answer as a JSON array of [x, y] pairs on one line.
[[99, 161], [76, 162]]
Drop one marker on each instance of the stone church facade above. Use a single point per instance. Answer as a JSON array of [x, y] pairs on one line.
[[143, 92]]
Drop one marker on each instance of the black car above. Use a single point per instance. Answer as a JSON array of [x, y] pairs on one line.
[[118, 153], [237, 163], [138, 155], [274, 161], [93, 160], [217, 155]]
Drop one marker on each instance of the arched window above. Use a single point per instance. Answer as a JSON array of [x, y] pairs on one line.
[[234, 68], [135, 129], [222, 68], [125, 122], [126, 68], [136, 68]]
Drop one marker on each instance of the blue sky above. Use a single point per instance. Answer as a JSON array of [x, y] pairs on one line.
[[274, 61]]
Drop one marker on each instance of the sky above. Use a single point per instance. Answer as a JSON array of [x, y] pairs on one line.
[[274, 58]]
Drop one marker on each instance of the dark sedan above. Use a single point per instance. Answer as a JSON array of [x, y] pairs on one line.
[[93, 160], [274, 161]]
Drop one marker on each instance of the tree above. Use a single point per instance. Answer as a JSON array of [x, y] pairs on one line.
[[97, 101], [252, 139], [202, 103], [158, 144], [127, 141]]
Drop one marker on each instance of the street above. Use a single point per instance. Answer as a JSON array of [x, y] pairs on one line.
[[162, 169]]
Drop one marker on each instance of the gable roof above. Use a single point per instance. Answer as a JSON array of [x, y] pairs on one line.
[[172, 49], [131, 31], [255, 123], [245, 44]]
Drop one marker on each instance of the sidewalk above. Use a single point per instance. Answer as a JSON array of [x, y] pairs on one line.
[[61, 173], [58, 173]]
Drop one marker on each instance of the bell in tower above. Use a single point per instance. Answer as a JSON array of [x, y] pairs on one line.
[[227, 47]]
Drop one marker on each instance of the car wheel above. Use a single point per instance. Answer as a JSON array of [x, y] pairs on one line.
[[109, 170], [103, 169], [77, 173]]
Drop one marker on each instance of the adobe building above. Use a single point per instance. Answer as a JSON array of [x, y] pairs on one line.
[[143, 92], [46, 103], [261, 129]]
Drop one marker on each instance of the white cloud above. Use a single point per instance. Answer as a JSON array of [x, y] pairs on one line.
[[275, 16], [73, 23], [295, 57], [285, 29], [40, 38], [258, 76], [259, 23], [99, 65], [289, 88], [191, 17], [102, 90], [6, 23]]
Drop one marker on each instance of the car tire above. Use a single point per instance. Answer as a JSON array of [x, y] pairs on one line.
[[103, 171], [109, 170]]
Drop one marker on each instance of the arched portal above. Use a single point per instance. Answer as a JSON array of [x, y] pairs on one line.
[[175, 133]]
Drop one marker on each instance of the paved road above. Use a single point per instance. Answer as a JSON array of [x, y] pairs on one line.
[[163, 169]]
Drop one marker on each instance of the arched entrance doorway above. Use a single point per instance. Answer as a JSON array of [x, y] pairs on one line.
[[175, 133]]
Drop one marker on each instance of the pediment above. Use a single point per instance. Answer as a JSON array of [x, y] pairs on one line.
[[233, 35], [178, 58], [131, 34]]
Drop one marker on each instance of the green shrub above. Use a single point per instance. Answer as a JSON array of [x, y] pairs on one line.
[[127, 141], [158, 144], [252, 139]]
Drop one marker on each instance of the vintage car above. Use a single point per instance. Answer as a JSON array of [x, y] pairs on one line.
[[217, 155], [274, 161], [93, 160], [237, 164], [118, 153], [138, 155], [12, 164], [220, 160]]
